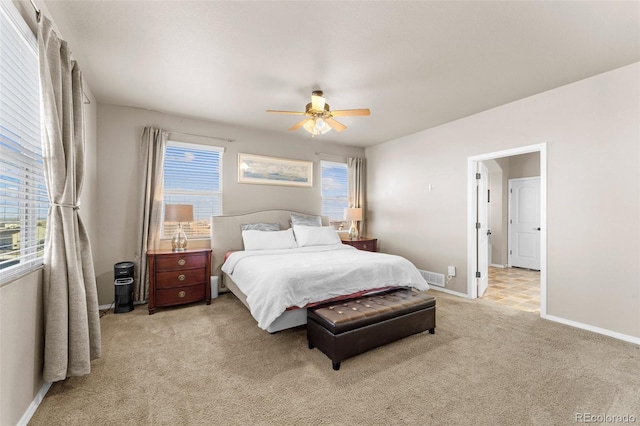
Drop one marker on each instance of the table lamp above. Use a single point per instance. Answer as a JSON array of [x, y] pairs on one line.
[[354, 215], [178, 213]]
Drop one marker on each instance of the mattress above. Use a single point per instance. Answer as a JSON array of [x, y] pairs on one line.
[[275, 280]]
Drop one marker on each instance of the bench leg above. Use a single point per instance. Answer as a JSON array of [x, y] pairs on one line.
[[336, 366], [432, 330], [311, 345]]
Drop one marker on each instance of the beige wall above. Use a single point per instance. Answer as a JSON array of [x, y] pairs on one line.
[[89, 196], [119, 130], [523, 166], [592, 130]]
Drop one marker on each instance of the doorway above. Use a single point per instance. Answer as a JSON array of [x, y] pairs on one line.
[[476, 253]]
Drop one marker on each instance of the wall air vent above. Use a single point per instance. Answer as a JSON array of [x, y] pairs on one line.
[[433, 278]]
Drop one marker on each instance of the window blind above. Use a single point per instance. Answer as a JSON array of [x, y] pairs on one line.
[[335, 190], [23, 196], [193, 175]]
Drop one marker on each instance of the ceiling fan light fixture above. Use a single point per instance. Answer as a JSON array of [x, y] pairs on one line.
[[316, 126]]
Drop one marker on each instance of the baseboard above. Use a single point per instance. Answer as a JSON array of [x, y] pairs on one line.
[[603, 331], [24, 420], [446, 290], [495, 265], [112, 304]]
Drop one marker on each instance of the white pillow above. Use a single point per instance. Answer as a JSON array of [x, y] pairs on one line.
[[268, 240], [315, 235]]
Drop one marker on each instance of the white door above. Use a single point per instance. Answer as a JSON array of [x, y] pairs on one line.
[[524, 223], [482, 228]]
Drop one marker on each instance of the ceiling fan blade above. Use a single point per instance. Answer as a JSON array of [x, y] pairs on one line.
[[299, 124], [350, 112], [338, 127], [317, 102], [285, 112]]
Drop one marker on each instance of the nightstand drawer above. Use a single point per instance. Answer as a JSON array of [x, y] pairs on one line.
[[179, 278], [176, 278], [179, 261], [179, 295], [365, 244]]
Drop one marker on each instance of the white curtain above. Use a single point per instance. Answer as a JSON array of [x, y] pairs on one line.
[[71, 317], [152, 148], [356, 187]]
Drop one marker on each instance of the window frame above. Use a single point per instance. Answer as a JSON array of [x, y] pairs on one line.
[[182, 192], [23, 191]]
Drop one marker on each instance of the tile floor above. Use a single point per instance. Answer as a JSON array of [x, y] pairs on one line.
[[515, 287]]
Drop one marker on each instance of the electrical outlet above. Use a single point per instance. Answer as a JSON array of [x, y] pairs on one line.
[[451, 271]]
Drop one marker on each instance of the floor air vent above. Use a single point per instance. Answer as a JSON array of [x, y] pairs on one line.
[[433, 278]]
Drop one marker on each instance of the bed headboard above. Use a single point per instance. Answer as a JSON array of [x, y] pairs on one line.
[[226, 234]]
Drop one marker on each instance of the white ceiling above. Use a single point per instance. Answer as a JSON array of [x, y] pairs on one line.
[[414, 64]]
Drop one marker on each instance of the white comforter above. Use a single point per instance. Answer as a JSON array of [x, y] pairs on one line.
[[274, 280]]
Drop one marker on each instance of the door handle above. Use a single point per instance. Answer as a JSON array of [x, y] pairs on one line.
[[536, 229]]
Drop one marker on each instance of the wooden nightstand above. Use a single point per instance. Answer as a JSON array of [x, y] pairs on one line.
[[366, 244], [176, 278]]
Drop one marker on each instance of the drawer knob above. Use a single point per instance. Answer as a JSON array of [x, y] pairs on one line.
[[181, 262], [181, 277], [182, 294]]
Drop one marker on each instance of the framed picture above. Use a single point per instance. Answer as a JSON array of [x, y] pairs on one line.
[[258, 169]]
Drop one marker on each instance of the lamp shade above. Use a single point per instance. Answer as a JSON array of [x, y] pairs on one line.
[[178, 213], [353, 214], [316, 126]]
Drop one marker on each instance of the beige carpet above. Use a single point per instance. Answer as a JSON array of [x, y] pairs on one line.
[[211, 365]]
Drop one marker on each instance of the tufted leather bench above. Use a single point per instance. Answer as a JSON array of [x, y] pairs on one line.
[[348, 328]]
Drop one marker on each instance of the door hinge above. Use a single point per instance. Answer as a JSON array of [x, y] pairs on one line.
[[477, 225], [510, 251], [478, 176], [478, 275]]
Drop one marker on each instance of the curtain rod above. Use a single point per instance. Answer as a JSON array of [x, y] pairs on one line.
[[35, 8], [331, 155], [202, 136], [86, 100]]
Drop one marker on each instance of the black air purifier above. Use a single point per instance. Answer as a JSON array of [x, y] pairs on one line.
[[123, 283]]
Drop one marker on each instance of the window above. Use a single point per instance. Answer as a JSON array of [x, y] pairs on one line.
[[335, 190], [23, 195], [193, 175]]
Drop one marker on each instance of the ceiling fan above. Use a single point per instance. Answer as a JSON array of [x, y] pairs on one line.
[[319, 118]]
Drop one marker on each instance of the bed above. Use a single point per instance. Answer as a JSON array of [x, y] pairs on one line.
[[277, 285]]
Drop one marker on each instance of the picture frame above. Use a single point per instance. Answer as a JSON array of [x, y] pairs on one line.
[[263, 170]]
